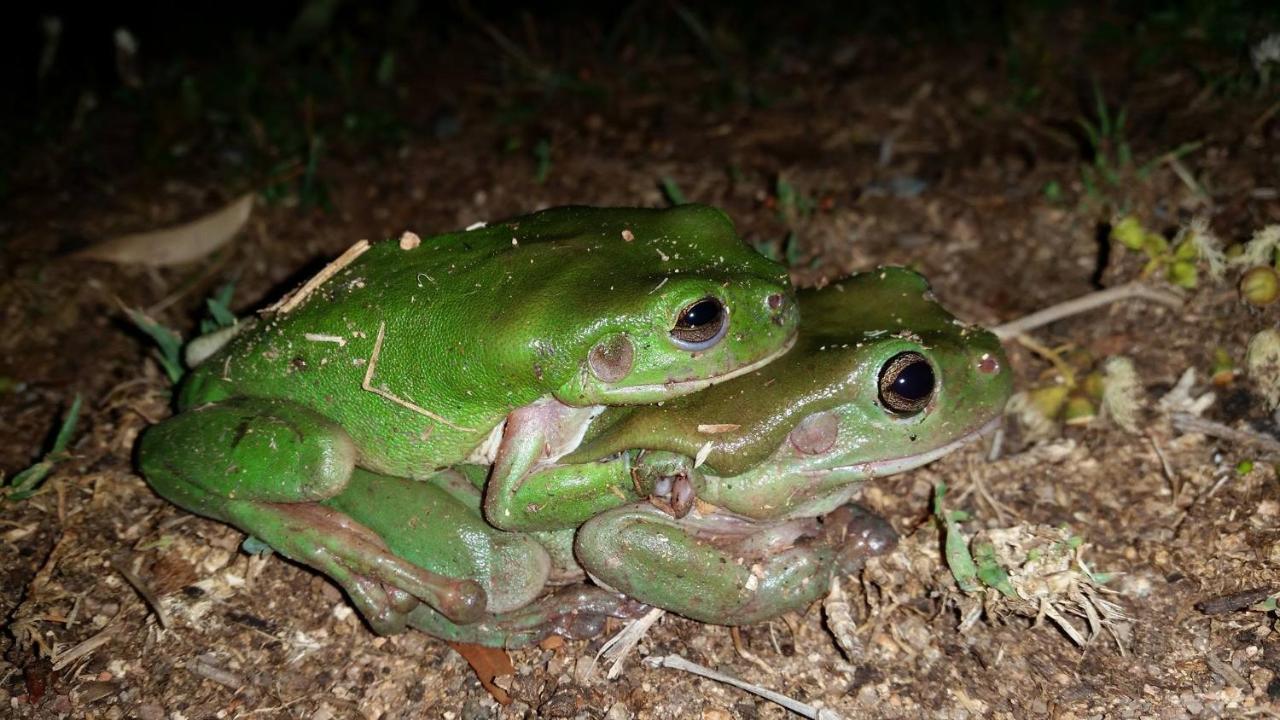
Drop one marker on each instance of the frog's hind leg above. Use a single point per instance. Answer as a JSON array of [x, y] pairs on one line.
[[262, 465], [576, 611], [715, 569], [436, 525]]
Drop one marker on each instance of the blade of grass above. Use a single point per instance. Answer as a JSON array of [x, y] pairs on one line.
[[672, 190], [25, 483], [168, 342]]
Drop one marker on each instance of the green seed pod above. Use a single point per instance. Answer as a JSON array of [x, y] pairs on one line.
[[1048, 400], [1079, 411], [1128, 232], [1183, 273], [1154, 244], [1260, 286], [1092, 386], [1185, 250]]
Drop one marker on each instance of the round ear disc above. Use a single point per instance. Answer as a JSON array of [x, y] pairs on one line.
[[816, 434], [611, 359]]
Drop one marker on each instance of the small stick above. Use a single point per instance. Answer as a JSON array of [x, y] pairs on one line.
[[620, 645], [1235, 601], [746, 654], [93, 643], [1188, 423], [385, 393], [161, 616], [209, 671], [1085, 303], [295, 298], [676, 662]]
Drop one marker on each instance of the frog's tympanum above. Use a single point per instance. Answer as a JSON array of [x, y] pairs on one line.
[[881, 380], [497, 347]]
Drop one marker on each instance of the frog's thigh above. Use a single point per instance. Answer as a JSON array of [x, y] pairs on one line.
[[436, 525], [646, 554], [246, 449]]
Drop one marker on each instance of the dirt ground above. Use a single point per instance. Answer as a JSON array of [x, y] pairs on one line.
[[900, 152]]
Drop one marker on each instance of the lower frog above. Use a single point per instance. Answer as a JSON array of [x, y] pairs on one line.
[[881, 380]]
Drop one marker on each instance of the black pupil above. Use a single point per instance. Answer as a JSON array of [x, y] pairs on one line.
[[701, 313], [914, 381]]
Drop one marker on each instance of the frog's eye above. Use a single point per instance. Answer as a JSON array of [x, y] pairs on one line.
[[906, 383], [700, 324]]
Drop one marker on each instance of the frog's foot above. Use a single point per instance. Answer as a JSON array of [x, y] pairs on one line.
[[580, 611], [715, 568], [576, 611], [383, 586], [859, 534], [668, 479]]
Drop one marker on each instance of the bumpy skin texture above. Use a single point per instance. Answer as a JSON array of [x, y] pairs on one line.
[[492, 345]]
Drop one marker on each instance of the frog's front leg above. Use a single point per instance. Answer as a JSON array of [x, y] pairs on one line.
[[721, 569], [528, 490], [262, 466]]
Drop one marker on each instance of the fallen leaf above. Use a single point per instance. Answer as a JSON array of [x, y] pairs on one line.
[[177, 244], [488, 663]]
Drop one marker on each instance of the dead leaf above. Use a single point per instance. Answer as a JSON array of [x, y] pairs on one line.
[[488, 663], [177, 244]]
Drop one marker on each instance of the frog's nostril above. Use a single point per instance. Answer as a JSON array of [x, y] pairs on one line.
[[775, 301], [988, 364]]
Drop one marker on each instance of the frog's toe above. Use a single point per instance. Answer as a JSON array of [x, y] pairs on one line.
[[383, 610]]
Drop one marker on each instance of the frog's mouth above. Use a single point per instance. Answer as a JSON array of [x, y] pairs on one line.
[[760, 537], [892, 466], [695, 384]]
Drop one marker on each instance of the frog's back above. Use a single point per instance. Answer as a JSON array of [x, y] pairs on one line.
[[418, 349]]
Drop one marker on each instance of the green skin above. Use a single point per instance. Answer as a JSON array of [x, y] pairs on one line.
[[495, 346], [810, 428]]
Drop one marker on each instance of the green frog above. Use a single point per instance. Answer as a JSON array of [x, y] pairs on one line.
[[495, 346], [730, 505]]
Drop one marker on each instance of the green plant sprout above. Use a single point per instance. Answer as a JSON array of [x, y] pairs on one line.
[[168, 343], [542, 158], [218, 306], [27, 482], [671, 190], [1113, 164]]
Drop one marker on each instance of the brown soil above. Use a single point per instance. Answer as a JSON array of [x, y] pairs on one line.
[[266, 638]]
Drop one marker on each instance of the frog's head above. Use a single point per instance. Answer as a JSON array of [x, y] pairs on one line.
[[671, 301], [882, 380]]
